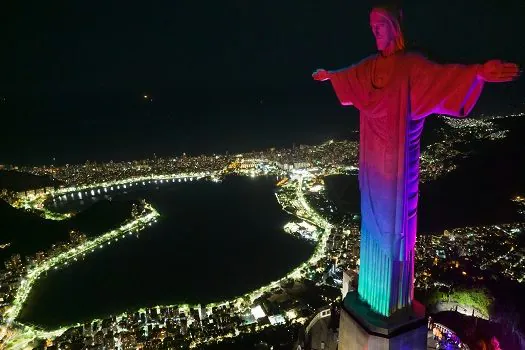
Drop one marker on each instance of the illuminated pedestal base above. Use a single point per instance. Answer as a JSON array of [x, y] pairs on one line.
[[360, 328]]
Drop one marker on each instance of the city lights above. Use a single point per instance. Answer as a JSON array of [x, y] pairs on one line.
[[300, 191]]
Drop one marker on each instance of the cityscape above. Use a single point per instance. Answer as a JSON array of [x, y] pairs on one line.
[[457, 256]]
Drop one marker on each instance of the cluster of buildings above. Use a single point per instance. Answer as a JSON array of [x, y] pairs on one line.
[[327, 154], [93, 172], [470, 254], [303, 230], [16, 267], [153, 328], [437, 158], [183, 327]]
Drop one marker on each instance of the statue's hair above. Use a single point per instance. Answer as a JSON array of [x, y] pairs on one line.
[[395, 15]]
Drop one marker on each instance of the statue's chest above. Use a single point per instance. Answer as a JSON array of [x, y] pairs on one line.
[[381, 72], [384, 79]]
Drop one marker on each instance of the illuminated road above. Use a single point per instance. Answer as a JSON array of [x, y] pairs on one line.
[[36, 200], [23, 336]]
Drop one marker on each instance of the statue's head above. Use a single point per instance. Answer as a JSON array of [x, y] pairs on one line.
[[385, 22]]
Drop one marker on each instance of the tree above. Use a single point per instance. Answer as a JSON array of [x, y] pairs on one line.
[[479, 299]]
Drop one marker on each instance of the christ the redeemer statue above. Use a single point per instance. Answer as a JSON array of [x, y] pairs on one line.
[[394, 91]]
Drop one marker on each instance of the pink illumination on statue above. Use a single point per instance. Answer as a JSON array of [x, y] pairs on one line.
[[394, 91]]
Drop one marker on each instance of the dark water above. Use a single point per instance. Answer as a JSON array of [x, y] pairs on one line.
[[213, 241], [477, 193]]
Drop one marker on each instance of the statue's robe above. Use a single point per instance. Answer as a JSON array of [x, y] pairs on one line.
[[391, 121]]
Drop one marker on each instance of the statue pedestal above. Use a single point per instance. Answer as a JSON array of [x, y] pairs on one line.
[[361, 328]]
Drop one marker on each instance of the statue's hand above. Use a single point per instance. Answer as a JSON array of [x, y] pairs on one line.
[[496, 71], [321, 75]]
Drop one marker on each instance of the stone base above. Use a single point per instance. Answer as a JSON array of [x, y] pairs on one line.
[[360, 328]]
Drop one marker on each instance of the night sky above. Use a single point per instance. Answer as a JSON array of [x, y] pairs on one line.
[[213, 64]]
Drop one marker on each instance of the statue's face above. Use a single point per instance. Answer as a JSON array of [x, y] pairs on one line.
[[382, 29]]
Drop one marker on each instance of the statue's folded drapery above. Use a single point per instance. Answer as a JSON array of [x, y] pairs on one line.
[[391, 121]]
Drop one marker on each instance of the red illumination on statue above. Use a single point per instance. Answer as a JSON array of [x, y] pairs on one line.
[[394, 91]]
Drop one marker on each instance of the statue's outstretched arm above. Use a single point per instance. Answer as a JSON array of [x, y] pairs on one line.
[[496, 71], [321, 75], [345, 83], [453, 89]]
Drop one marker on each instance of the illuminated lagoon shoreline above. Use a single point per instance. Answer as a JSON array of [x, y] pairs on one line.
[[179, 259], [22, 334]]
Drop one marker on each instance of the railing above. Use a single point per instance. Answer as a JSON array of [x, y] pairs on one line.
[[322, 314], [445, 329]]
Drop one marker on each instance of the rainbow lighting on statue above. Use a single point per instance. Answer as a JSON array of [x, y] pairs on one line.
[[394, 91]]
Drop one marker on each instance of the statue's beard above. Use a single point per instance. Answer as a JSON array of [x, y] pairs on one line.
[[384, 45], [390, 46], [381, 44]]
